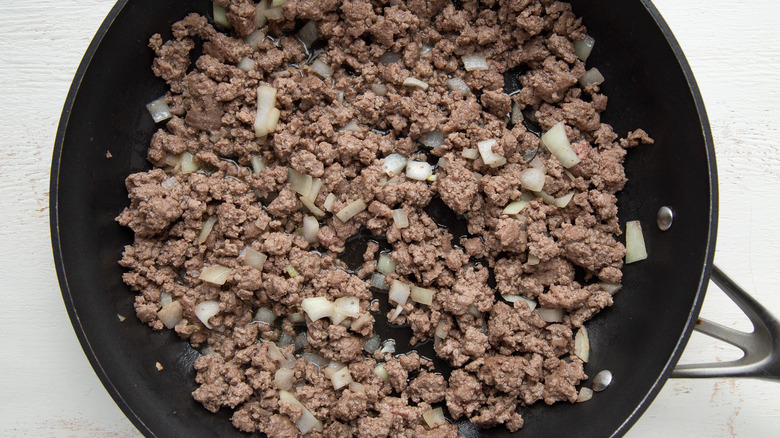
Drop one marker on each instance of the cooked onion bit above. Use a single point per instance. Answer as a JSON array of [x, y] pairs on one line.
[[307, 422], [159, 110], [556, 141], [205, 310], [317, 308], [635, 242], [170, 314], [490, 158], [582, 344], [215, 274]]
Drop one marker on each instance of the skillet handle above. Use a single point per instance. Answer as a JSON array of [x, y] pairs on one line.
[[761, 347]]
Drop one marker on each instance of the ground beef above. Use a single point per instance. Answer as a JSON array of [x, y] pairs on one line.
[[231, 227]]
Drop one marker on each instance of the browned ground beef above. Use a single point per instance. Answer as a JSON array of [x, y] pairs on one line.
[[505, 355]]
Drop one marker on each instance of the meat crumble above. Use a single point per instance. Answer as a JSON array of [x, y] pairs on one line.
[[240, 225]]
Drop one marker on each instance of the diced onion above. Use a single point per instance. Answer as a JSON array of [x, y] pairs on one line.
[[592, 76], [551, 315], [205, 310], [290, 269], [340, 97], [582, 48], [256, 37], [258, 164], [532, 179], [635, 242], [418, 170], [394, 164], [338, 317], [474, 62], [284, 378], [254, 258], [415, 83], [159, 110], [584, 395], [385, 265], [310, 229], [564, 200], [426, 48], [352, 126], [308, 34], [296, 317], [317, 308], [396, 312], [361, 321], [532, 260], [285, 339], [273, 119], [399, 292], [381, 372], [316, 359], [205, 230], [265, 315], [329, 201], [220, 16], [341, 378], [434, 417], [372, 344], [215, 274], [299, 182], [470, 154], [515, 207], [351, 210], [458, 85], [165, 299], [169, 183], [389, 58], [516, 115], [545, 197], [582, 344], [321, 69], [557, 143], [349, 306], [439, 332], [311, 207], [273, 13], [246, 64], [378, 281], [357, 387], [433, 139], [316, 185], [388, 347], [422, 295], [266, 100], [307, 422], [188, 163], [611, 287], [490, 158], [474, 311], [531, 303], [260, 18], [171, 314], [511, 298], [278, 3], [400, 219], [379, 89]]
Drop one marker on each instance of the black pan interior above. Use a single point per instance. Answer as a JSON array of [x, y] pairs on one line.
[[639, 339]]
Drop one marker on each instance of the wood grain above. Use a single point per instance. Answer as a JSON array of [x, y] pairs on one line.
[[48, 387]]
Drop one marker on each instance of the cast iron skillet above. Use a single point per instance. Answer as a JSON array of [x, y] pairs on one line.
[[639, 339]]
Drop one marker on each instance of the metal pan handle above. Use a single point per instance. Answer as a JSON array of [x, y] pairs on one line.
[[761, 347]]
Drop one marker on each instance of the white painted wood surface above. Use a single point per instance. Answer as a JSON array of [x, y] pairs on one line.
[[47, 387]]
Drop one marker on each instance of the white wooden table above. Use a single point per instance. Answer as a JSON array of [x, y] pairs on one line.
[[47, 387]]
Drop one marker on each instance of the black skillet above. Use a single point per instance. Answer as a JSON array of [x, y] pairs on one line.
[[639, 339]]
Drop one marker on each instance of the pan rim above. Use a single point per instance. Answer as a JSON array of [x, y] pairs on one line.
[[135, 419]]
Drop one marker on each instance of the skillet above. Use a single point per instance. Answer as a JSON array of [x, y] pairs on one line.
[[638, 339]]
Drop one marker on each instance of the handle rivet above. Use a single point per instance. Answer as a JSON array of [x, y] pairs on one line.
[[602, 380], [664, 218]]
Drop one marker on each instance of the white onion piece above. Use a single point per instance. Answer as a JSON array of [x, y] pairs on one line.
[[171, 314], [381, 372], [474, 62], [278, 3], [635, 242], [274, 353], [458, 85], [357, 387], [557, 143], [515, 207], [310, 229], [285, 339], [439, 332], [307, 422], [169, 183], [316, 185], [378, 281], [510, 298], [296, 318], [205, 230], [256, 37], [388, 346], [422, 295], [273, 119], [311, 207], [563, 201], [220, 16], [400, 219], [584, 395], [352, 126], [340, 98], [379, 89], [338, 317], [582, 344], [246, 64], [545, 197], [254, 258], [329, 201], [361, 321], [266, 100], [490, 158], [532, 260], [283, 378], [351, 210], [474, 311], [215, 274], [394, 164], [592, 76], [372, 344], [470, 154], [385, 265], [415, 83], [389, 58], [321, 69], [265, 315], [273, 13], [433, 139], [426, 48], [165, 299], [396, 312], [399, 292], [258, 164], [551, 315], [260, 9], [418, 170], [434, 417], [582, 48], [532, 179], [538, 163], [308, 34], [611, 287], [317, 308], [316, 359], [159, 110], [205, 310], [349, 306], [341, 378], [188, 163], [517, 114], [299, 182], [290, 269], [531, 303]]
